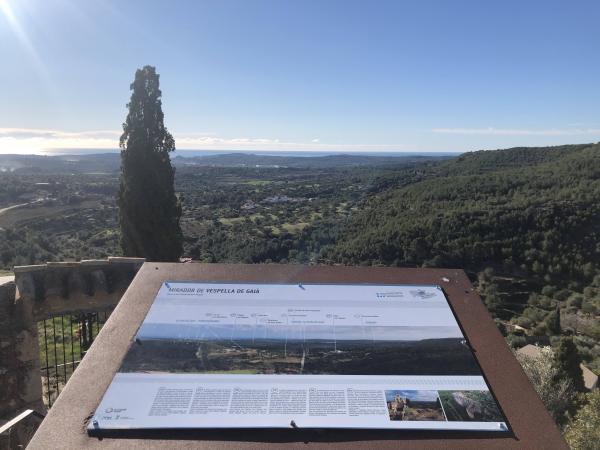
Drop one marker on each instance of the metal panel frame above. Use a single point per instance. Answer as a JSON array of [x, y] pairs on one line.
[[531, 425]]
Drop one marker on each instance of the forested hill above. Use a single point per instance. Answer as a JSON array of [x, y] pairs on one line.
[[524, 223], [532, 211], [474, 163]]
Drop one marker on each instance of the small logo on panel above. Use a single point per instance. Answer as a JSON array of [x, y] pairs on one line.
[[422, 294]]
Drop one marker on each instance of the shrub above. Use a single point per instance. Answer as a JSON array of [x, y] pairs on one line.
[[583, 433], [555, 390]]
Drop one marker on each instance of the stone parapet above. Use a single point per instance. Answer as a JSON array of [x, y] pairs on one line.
[[64, 287], [12, 370], [40, 292]]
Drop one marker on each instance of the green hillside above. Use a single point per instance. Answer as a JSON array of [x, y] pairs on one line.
[[542, 218], [486, 160], [525, 223]]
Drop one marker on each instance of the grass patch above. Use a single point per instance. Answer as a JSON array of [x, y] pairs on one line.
[[257, 182], [61, 341], [231, 220], [27, 213], [294, 227], [342, 207]]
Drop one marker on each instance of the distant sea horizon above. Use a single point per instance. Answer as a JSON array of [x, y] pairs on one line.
[[291, 153]]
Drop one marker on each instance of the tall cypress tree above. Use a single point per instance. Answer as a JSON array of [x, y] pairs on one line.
[[553, 321], [568, 362], [149, 210]]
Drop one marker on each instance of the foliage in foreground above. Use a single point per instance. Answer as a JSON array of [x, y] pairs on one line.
[[555, 390], [584, 432]]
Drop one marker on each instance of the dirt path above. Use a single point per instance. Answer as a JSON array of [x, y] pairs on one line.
[[18, 214], [3, 210]]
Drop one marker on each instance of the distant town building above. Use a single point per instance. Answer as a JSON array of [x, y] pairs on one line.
[[249, 205], [280, 199]]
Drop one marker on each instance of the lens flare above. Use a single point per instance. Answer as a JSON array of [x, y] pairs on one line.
[[13, 22]]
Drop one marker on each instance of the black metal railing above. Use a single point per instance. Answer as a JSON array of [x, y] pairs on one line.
[[64, 340]]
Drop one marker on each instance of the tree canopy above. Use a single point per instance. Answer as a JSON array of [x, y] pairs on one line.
[[569, 361], [149, 210]]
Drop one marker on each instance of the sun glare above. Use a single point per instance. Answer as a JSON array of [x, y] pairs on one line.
[[19, 31], [7, 11]]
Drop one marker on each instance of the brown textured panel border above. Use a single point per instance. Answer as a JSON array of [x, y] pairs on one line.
[[531, 425]]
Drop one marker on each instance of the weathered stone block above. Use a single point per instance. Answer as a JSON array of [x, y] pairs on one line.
[[99, 281], [29, 269], [55, 283], [27, 340], [61, 264], [10, 392], [25, 284], [76, 284], [122, 259], [94, 262]]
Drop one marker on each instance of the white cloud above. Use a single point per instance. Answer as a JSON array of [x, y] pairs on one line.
[[518, 132], [35, 140], [27, 133], [271, 144]]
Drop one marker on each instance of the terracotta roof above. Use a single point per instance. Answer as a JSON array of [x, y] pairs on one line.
[[590, 379], [531, 351]]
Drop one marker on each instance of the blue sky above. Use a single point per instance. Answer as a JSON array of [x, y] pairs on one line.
[[297, 332], [292, 75]]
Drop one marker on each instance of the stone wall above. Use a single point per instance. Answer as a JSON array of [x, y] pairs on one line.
[[12, 369], [40, 292]]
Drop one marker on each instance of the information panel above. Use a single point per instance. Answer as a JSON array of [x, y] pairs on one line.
[[214, 355]]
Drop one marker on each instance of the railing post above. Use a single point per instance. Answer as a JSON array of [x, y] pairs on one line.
[[9, 387], [26, 332]]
